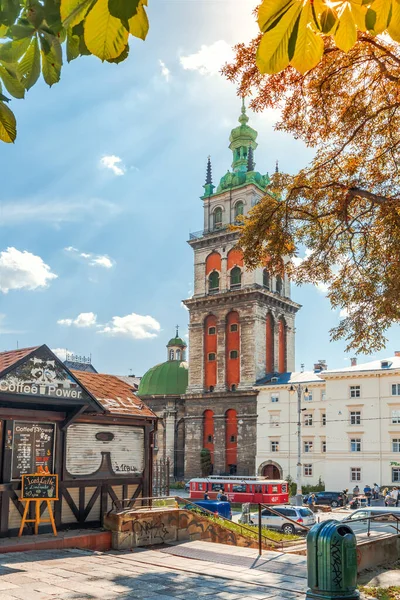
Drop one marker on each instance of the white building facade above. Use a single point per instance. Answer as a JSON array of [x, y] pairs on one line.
[[350, 425]]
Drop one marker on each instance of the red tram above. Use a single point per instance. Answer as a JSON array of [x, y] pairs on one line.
[[241, 489]]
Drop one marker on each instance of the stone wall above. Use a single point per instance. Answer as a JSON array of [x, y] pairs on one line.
[[245, 403]]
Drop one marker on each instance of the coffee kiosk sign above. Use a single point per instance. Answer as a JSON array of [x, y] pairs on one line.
[[33, 448]]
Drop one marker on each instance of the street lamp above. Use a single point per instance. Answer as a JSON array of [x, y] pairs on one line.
[[299, 389]]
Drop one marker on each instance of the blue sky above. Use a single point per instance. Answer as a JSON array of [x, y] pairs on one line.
[[101, 190]]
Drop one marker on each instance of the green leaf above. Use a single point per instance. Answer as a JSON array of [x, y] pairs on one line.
[[22, 31], [12, 83], [11, 52], [4, 98], [8, 125], [270, 10], [73, 43], [105, 36], [9, 11], [29, 65], [370, 19], [51, 65], [121, 57], [123, 9], [3, 30], [35, 13], [74, 11], [328, 20]]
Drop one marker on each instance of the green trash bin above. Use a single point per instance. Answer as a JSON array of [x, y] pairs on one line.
[[332, 562]]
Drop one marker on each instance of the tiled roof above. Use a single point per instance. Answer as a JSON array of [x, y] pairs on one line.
[[114, 395], [12, 356], [292, 378]]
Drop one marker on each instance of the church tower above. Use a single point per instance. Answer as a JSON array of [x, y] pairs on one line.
[[241, 321]]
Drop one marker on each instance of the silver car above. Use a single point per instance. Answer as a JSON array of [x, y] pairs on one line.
[[301, 515]]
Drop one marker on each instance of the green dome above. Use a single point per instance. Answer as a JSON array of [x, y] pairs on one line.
[[166, 379], [176, 341]]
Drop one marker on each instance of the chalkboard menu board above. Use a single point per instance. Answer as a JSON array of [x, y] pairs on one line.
[[33, 448], [39, 486]]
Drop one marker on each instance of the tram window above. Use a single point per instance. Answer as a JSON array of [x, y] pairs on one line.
[[217, 487], [258, 489], [274, 489], [239, 488]]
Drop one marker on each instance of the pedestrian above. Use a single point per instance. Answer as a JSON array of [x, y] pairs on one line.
[[311, 502], [219, 497], [395, 495], [224, 497], [368, 494], [206, 496], [377, 489], [356, 491]]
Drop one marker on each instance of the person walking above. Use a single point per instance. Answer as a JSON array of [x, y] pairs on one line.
[[206, 496], [311, 502], [368, 494], [395, 495], [377, 489], [356, 491]]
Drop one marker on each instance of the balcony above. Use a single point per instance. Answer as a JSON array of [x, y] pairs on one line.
[[197, 235]]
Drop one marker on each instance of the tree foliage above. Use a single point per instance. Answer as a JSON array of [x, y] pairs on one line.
[[293, 30], [344, 208], [38, 34]]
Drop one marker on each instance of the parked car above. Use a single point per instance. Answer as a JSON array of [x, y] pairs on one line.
[[301, 515], [333, 499], [223, 509], [384, 522]]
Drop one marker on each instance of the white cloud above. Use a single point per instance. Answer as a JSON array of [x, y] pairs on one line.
[[57, 211], [95, 260], [111, 162], [23, 270], [88, 319], [61, 353], [209, 59], [298, 260], [102, 261], [165, 72], [135, 326]]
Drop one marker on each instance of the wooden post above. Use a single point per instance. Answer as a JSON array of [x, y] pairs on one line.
[[37, 520], [259, 531]]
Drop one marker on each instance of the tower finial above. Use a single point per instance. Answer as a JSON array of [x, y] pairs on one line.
[[243, 119], [177, 330], [209, 171], [277, 167], [250, 159]]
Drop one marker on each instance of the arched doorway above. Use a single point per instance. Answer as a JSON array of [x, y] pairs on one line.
[[270, 470]]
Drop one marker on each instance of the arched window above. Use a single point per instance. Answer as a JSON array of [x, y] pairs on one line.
[[236, 278], [266, 279], [171, 355], [178, 355], [217, 218], [279, 285], [213, 282], [239, 207]]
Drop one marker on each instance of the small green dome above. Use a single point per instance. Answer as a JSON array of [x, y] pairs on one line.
[[176, 341], [166, 379]]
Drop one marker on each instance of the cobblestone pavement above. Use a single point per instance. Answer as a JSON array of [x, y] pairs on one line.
[[152, 575]]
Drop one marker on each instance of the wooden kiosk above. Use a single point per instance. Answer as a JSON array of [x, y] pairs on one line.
[[88, 430]]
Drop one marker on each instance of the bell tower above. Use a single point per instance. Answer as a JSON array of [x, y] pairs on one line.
[[241, 321]]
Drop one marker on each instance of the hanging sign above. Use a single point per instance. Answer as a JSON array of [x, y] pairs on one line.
[[33, 448], [39, 487]]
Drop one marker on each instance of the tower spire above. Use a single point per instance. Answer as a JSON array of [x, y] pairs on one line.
[[209, 171], [208, 186], [250, 159], [277, 167]]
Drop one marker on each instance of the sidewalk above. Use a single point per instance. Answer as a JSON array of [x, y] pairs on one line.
[[187, 571]]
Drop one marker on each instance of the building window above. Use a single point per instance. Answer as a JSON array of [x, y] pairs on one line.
[[274, 397], [211, 356], [323, 419], [212, 330], [308, 446], [355, 391], [266, 279], [396, 475], [211, 388], [239, 208], [323, 446], [308, 396], [308, 470], [274, 446], [396, 389], [274, 420], [233, 439], [355, 417], [279, 285], [178, 355], [217, 218], [213, 282], [395, 417], [233, 354], [234, 327], [396, 445], [355, 474], [355, 445], [210, 439], [323, 396], [308, 420], [236, 278], [171, 355]]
